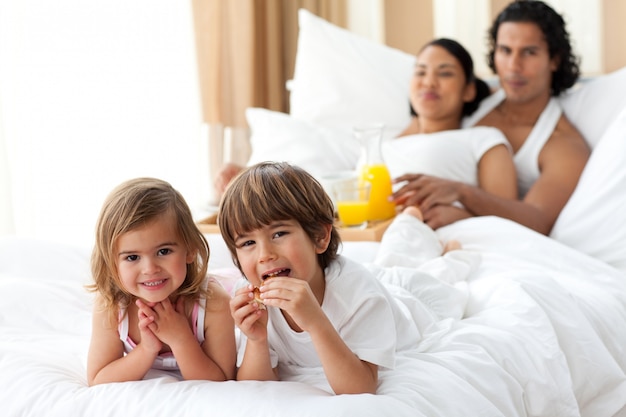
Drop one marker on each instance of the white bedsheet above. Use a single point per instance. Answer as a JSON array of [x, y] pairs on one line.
[[543, 336]]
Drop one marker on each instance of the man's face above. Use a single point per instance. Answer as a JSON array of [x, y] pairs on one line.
[[523, 62]]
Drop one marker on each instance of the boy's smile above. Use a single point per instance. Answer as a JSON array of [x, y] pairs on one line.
[[280, 249]]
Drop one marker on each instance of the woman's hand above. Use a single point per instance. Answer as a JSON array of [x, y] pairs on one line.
[[441, 215], [425, 191], [225, 175]]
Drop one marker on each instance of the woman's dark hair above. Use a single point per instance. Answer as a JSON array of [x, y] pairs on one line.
[[465, 59], [553, 27]]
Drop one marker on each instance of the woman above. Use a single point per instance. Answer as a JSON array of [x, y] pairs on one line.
[[443, 90]]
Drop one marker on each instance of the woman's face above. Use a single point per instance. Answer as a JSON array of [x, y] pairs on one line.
[[438, 88]]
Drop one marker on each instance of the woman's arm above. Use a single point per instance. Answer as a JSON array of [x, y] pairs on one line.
[[225, 175], [496, 172], [430, 194], [561, 162]]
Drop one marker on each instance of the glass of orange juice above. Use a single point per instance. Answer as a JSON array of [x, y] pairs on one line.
[[352, 201]]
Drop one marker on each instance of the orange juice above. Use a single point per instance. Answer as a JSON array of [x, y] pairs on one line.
[[380, 190], [352, 213]]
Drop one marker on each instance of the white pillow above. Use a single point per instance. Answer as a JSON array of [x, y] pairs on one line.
[[595, 104], [342, 79], [319, 150], [593, 220]]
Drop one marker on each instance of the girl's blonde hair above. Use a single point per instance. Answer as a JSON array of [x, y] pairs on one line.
[[131, 205], [273, 191]]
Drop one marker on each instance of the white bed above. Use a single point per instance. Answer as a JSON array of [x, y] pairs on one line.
[[543, 332]]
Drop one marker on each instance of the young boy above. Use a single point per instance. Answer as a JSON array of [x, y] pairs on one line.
[[315, 309]]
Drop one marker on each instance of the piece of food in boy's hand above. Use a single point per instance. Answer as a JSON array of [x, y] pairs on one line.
[[257, 292], [257, 298]]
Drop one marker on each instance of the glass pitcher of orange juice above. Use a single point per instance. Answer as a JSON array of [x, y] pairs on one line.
[[373, 170]]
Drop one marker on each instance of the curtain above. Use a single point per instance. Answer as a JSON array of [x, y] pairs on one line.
[[246, 52], [408, 24]]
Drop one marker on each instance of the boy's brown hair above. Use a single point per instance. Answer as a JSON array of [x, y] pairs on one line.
[[273, 191]]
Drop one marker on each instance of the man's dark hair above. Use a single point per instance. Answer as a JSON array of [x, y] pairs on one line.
[[553, 27]]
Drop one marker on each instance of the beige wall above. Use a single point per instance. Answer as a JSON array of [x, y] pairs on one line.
[[613, 34], [408, 24], [596, 27]]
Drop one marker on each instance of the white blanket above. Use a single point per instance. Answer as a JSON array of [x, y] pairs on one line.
[[542, 332], [541, 336]]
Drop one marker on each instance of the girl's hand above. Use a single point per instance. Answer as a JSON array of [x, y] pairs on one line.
[[170, 324], [249, 317], [295, 297], [149, 341]]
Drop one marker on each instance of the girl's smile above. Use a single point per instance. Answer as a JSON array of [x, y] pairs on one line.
[[152, 259], [154, 285]]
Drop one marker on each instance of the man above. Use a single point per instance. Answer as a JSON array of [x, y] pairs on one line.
[[532, 56]]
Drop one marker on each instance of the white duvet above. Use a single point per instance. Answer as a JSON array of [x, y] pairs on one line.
[[543, 335], [540, 329]]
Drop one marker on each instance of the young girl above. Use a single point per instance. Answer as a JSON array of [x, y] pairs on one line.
[[154, 306], [320, 310]]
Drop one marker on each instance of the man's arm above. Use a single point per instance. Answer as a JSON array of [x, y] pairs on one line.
[[561, 162]]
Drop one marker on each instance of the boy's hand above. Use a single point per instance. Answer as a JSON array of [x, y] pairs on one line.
[[248, 316], [295, 297]]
